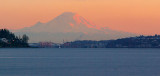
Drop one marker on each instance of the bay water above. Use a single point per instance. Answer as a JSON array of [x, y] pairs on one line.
[[79, 62]]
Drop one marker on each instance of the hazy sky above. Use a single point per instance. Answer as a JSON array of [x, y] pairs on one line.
[[137, 16]]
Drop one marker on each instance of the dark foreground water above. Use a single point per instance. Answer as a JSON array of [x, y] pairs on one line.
[[79, 62]]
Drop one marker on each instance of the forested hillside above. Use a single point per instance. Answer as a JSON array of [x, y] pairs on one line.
[[9, 40]]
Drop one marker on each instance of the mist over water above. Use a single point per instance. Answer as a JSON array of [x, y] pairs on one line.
[[79, 62]]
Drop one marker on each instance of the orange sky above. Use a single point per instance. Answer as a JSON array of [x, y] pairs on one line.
[[137, 16]]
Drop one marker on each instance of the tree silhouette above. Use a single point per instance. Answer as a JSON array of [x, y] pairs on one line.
[[25, 38], [11, 40]]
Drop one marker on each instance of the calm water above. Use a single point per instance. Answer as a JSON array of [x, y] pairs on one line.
[[79, 62]]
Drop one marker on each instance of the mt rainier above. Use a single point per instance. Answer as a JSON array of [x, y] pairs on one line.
[[70, 27]]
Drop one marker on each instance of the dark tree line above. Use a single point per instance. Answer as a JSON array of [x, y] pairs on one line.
[[8, 39]]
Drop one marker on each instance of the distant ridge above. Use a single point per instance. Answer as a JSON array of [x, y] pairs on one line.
[[70, 27]]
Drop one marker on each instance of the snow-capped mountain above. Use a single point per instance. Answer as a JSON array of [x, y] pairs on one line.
[[69, 27]]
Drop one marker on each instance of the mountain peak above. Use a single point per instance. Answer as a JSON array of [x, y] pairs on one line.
[[38, 23], [70, 26], [73, 20], [68, 13]]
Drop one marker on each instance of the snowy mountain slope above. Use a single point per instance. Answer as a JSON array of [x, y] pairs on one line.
[[69, 27]]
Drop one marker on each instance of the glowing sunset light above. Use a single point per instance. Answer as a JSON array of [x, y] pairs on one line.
[[77, 19], [136, 16], [71, 24]]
